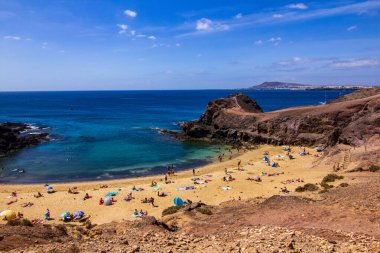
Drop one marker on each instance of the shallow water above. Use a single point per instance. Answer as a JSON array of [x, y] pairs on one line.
[[113, 134]]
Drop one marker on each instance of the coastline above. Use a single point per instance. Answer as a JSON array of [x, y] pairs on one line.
[[210, 193]]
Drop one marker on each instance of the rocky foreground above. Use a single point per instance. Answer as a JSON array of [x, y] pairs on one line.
[[12, 138], [346, 219]]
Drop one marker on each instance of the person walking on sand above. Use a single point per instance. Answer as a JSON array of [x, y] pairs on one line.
[[47, 214], [193, 172]]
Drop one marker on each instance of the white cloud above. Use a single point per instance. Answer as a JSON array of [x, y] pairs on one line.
[[133, 32], [299, 6], [123, 28], [205, 24], [351, 64], [238, 16], [178, 45], [277, 16], [44, 45], [351, 28], [275, 39], [293, 61], [258, 42], [140, 35], [130, 13], [12, 38], [151, 37]]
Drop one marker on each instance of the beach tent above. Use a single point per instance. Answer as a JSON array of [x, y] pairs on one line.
[[178, 201], [302, 153], [266, 158], [274, 165], [108, 201], [49, 187], [8, 215]]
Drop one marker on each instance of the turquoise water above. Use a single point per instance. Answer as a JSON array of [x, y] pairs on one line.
[[114, 134]]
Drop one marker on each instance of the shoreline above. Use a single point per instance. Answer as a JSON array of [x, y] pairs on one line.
[[132, 177]]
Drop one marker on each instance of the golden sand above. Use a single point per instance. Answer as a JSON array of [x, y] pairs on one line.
[[210, 193]]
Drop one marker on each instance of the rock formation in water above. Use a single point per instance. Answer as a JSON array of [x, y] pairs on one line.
[[239, 119], [13, 139]]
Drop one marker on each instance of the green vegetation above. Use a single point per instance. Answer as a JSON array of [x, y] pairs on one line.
[[307, 187], [204, 210], [374, 168], [326, 186], [23, 222], [171, 210], [331, 178]]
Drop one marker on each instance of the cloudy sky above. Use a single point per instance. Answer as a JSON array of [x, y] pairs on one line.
[[141, 44]]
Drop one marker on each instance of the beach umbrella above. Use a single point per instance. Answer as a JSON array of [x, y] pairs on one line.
[[266, 158], [178, 201], [302, 153], [8, 215], [65, 215], [49, 187], [108, 202], [79, 213], [274, 165]]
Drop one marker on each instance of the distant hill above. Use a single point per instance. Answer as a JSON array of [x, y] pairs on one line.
[[297, 86], [279, 85]]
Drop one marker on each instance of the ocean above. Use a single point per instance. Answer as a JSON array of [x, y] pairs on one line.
[[97, 135]]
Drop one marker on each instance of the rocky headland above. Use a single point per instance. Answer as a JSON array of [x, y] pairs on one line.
[[352, 120], [15, 136]]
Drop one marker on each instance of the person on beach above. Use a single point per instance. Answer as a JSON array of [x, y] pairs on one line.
[[154, 183], [101, 201], [162, 194], [38, 195], [47, 214], [86, 196], [193, 172], [151, 200]]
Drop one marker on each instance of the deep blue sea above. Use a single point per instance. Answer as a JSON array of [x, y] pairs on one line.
[[113, 134]]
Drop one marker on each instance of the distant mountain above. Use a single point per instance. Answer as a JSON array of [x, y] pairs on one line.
[[297, 86], [279, 85]]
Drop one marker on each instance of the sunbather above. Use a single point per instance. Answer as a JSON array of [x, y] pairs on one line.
[[162, 194]]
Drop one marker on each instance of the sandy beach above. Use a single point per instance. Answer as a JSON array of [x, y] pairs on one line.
[[302, 167]]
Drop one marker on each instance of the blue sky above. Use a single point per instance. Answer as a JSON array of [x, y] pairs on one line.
[[140, 44]]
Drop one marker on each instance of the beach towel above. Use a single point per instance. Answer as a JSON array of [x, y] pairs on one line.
[[208, 180], [207, 176], [111, 194], [187, 188], [226, 188], [157, 187], [195, 179], [136, 215]]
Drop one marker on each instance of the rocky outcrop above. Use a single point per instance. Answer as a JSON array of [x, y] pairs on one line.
[[12, 137], [239, 119]]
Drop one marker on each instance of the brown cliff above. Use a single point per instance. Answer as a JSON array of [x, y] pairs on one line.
[[238, 119]]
